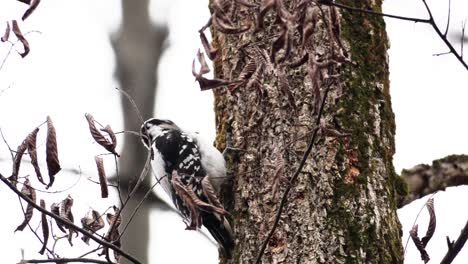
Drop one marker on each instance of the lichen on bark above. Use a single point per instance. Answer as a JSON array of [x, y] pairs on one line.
[[342, 206]]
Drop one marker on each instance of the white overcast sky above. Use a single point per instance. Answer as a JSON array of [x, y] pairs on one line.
[[70, 72]]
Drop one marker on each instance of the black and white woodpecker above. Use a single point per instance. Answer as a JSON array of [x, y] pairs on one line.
[[190, 171]]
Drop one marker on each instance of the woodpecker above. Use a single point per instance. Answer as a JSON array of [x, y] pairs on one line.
[[190, 171]]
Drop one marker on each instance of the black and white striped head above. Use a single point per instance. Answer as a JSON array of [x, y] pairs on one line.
[[153, 128]]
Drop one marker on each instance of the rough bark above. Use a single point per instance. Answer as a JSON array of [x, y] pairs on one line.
[[342, 207], [138, 46], [425, 179]]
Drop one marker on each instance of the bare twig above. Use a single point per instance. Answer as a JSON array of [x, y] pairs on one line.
[[65, 260], [454, 248], [138, 206], [429, 21], [132, 102], [448, 18]]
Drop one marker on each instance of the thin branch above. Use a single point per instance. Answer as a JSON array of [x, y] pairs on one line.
[[138, 207], [143, 173], [65, 260], [429, 21], [90, 252], [371, 12], [132, 102], [68, 223], [462, 38], [294, 177], [456, 247], [117, 175], [6, 143], [448, 18]]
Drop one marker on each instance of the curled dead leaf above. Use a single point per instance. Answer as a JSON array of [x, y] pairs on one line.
[[53, 164], [55, 209], [209, 192], [193, 203], [21, 38], [99, 138], [432, 223], [28, 191], [17, 162], [32, 149], [113, 234], [6, 35], [93, 222], [66, 213], [211, 51], [32, 6], [417, 242], [45, 229]]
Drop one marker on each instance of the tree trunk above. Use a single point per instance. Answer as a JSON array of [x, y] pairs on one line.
[[137, 46], [342, 207]]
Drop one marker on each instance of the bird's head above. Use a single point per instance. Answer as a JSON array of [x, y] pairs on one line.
[[154, 127]]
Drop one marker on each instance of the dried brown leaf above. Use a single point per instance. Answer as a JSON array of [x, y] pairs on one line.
[[102, 177], [432, 223], [208, 84], [28, 191], [66, 213], [32, 149], [99, 138], [187, 191], [45, 229], [55, 209], [113, 234], [53, 164], [21, 38], [204, 68], [195, 218], [112, 217], [209, 192], [30, 10], [6, 35], [17, 161], [417, 242], [211, 51], [112, 136], [93, 222], [248, 69], [65, 208]]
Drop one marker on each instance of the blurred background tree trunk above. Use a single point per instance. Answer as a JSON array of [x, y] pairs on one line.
[[138, 46], [342, 207]]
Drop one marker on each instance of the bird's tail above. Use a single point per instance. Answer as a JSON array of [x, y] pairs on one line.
[[220, 230]]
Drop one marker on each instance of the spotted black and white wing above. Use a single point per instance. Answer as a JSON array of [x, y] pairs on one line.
[[179, 161]]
